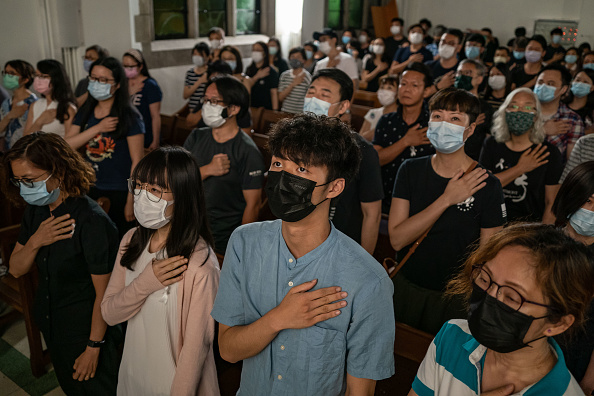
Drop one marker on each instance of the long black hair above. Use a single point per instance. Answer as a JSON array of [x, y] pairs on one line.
[[236, 54], [577, 188], [139, 59], [279, 54], [252, 68], [61, 87], [502, 67], [175, 169], [121, 108], [589, 107]]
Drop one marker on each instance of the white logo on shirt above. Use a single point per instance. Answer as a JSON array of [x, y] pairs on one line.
[[503, 210], [413, 151], [500, 164], [523, 182], [255, 173], [466, 205]]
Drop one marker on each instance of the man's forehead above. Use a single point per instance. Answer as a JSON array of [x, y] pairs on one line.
[[412, 75], [551, 75], [324, 83]]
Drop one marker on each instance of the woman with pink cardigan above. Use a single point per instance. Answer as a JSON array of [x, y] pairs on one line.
[[164, 282]]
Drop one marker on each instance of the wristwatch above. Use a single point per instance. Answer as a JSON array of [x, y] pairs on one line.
[[95, 344]]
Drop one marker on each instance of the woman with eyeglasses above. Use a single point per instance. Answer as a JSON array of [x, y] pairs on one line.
[[112, 132], [54, 112], [17, 77], [92, 53], [518, 154], [526, 285], [165, 281], [574, 210], [145, 95], [73, 244]]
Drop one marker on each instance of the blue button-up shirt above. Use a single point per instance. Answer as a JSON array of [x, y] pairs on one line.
[[259, 270]]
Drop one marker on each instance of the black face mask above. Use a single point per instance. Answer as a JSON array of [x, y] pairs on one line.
[[497, 326], [289, 196]]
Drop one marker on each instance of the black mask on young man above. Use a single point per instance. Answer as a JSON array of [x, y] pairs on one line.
[[495, 325], [289, 196]]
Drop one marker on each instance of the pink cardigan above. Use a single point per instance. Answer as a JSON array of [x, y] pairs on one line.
[[195, 372]]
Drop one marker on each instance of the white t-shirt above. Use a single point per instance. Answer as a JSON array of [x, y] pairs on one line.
[[53, 127], [347, 64]]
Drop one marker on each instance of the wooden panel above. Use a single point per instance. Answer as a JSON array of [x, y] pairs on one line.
[[358, 116], [411, 343], [382, 17], [268, 118], [366, 98]]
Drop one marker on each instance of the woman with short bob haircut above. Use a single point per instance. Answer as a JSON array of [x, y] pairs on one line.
[[74, 244], [526, 164], [165, 281], [527, 284]]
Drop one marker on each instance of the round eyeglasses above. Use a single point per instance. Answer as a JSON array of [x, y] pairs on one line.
[[27, 182], [153, 192]]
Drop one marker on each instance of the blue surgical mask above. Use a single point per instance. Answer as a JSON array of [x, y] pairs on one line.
[[472, 52], [316, 106], [556, 39], [87, 64], [545, 92], [38, 194], [519, 55], [100, 91], [273, 50], [233, 65], [588, 66], [346, 39], [570, 58], [580, 89], [309, 54], [582, 221], [447, 138], [350, 51]]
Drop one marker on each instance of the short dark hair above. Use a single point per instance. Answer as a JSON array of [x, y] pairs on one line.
[[416, 25], [420, 68], [503, 49], [398, 20], [101, 52], [201, 48], [317, 140], [215, 29], [565, 74], [218, 67], [584, 46], [298, 50], [477, 38], [540, 40], [426, 22], [390, 79], [520, 31], [521, 42], [487, 30], [345, 82], [24, 68], [439, 30], [456, 32], [557, 31], [454, 99], [311, 44], [235, 52], [576, 189], [233, 92]]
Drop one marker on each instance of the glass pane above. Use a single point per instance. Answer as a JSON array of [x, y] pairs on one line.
[[355, 13], [170, 25], [335, 14], [209, 19], [212, 5], [247, 5], [169, 5], [248, 22]]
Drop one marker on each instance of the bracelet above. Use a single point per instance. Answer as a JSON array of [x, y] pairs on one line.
[[95, 344]]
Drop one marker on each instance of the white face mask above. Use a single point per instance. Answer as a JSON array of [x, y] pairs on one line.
[[446, 51], [198, 60], [212, 115], [362, 39], [148, 213], [395, 30], [214, 44], [377, 49], [325, 47], [416, 38], [386, 97], [257, 56], [497, 82]]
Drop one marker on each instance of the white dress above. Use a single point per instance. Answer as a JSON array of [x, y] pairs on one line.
[[53, 127], [148, 364]]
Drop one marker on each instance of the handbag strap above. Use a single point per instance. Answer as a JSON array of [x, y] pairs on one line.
[[415, 245]]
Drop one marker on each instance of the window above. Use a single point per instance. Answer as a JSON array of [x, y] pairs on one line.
[[334, 14], [356, 14], [248, 17], [211, 13], [170, 19]]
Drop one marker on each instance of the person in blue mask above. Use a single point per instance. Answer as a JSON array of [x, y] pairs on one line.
[[112, 133], [474, 47], [574, 210], [92, 53], [571, 60], [555, 52], [525, 73], [275, 56], [580, 97], [73, 244], [452, 200]]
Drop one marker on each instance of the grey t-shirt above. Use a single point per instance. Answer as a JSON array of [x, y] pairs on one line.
[[224, 194]]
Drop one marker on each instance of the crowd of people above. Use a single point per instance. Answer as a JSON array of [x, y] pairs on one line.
[[478, 166]]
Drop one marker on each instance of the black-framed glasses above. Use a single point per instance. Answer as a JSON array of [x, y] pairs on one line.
[[102, 80], [153, 192], [506, 294], [214, 102], [27, 182]]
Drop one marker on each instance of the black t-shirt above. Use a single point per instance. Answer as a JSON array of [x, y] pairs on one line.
[[373, 85], [224, 194], [525, 196], [260, 95], [551, 51], [345, 211], [494, 102], [390, 129], [444, 249], [64, 299], [402, 54], [520, 77], [281, 65], [438, 70], [474, 143], [81, 87], [392, 45]]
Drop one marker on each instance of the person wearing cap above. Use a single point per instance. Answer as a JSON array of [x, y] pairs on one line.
[[334, 57]]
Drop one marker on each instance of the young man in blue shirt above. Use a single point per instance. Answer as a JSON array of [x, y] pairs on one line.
[[306, 308]]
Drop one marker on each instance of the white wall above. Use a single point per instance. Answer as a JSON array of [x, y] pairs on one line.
[[313, 18], [502, 16]]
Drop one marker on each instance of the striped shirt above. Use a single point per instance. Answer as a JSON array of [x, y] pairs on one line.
[[576, 130], [582, 151], [293, 103], [453, 366], [191, 78]]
